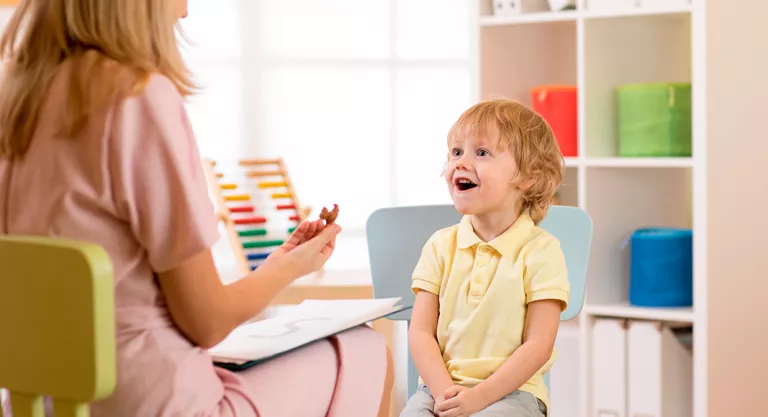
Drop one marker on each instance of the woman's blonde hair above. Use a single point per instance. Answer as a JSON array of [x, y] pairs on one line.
[[529, 138], [113, 46]]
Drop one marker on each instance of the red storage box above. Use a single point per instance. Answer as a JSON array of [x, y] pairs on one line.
[[557, 104]]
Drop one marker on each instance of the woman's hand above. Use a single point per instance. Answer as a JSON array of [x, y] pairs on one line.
[[304, 232], [307, 249]]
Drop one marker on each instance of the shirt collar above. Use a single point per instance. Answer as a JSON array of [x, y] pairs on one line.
[[507, 244]]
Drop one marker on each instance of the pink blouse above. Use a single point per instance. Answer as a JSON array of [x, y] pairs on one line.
[[138, 189]]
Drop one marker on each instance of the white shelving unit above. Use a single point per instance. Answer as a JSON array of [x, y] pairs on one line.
[[598, 51]]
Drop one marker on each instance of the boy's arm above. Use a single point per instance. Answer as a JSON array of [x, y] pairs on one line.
[[422, 333], [541, 324], [422, 340]]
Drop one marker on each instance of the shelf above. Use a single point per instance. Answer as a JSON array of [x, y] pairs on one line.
[[636, 13], [627, 162], [627, 51], [620, 201], [599, 50], [619, 162], [572, 161], [503, 48], [544, 17], [624, 310], [565, 16]]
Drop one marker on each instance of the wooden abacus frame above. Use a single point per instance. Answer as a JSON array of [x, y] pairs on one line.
[[224, 212]]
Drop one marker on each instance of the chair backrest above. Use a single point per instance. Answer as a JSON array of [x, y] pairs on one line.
[[57, 331], [396, 236]]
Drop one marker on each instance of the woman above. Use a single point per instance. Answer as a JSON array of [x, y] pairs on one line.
[[95, 145]]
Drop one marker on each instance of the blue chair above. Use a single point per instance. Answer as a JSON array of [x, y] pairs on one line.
[[396, 236]]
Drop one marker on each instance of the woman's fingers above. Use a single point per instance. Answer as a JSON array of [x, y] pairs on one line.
[[327, 250], [300, 235], [311, 231]]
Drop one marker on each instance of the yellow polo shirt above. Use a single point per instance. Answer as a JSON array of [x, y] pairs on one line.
[[483, 289]]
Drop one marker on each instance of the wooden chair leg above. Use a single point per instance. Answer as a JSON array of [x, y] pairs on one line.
[[387, 398], [27, 405], [385, 328], [70, 409]]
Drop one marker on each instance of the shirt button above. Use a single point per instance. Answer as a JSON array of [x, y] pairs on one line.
[[480, 263]]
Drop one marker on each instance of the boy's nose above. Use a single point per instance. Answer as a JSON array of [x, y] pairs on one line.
[[462, 166], [463, 161]]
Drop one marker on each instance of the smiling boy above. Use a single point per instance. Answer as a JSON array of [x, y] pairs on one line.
[[490, 290]]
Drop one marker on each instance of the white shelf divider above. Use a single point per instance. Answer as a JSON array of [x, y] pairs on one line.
[[624, 310], [572, 15], [636, 12], [528, 18], [619, 162]]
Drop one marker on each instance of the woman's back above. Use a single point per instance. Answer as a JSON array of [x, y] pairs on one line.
[[98, 187]]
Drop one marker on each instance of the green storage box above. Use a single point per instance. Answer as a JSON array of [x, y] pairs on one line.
[[654, 119]]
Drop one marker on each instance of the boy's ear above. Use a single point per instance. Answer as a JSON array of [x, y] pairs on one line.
[[526, 184]]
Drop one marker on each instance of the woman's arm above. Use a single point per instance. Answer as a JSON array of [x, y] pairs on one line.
[[206, 310], [422, 340]]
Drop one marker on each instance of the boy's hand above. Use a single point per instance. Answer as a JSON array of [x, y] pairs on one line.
[[438, 400], [460, 401]]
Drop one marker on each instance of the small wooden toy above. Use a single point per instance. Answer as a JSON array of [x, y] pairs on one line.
[[329, 216], [258, 206]]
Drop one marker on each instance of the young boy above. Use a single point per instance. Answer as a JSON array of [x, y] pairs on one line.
[[490, 290]]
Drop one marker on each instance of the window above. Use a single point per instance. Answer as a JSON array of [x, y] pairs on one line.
[[356, 99], [214, 54]]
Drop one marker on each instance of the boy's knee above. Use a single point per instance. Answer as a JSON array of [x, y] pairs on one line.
[[517, 404], [420, 404]]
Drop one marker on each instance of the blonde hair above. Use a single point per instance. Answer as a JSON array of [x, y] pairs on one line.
[[112, 45], [529, 138]]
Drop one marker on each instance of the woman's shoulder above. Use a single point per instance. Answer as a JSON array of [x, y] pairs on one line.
[[156, 91], [158, 86], [155, 101]]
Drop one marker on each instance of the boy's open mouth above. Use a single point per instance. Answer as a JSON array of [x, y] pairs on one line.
[[463, 184]]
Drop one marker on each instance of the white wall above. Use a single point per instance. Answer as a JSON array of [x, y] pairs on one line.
[[737, 203]]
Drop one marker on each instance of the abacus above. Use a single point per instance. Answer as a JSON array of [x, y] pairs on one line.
[[258, 206]]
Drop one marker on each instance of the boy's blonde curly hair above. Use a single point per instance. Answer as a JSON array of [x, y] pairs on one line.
[[529, 138]]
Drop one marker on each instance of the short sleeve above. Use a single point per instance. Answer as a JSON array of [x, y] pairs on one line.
[[546, 276], [428, 273], [158, 182]]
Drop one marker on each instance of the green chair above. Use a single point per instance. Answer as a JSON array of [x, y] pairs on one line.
[[57, 319], [396, 236]]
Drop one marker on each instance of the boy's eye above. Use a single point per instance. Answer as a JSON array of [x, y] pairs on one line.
[[456, 152], [482, 152]]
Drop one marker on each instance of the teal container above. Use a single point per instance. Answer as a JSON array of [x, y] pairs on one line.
[[654, 120]]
